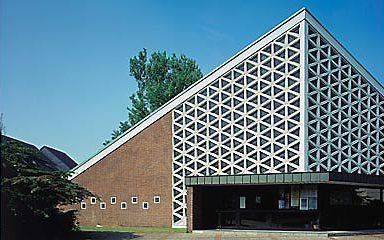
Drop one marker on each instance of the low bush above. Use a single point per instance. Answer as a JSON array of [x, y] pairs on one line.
[[32, 199]]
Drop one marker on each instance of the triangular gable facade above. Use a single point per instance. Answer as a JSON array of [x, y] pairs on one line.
[[270, 109]]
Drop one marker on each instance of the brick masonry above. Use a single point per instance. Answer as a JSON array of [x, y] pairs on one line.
[[189, 209], [194, 210], [141, 167]]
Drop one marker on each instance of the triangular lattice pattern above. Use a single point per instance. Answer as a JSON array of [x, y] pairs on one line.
[[247, 121], [345, 115]]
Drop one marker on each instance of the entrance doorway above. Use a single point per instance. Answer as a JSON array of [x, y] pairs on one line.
[[287, 207], [256, 207]]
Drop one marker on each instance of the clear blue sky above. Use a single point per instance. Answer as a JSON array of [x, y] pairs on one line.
[[64, 78]]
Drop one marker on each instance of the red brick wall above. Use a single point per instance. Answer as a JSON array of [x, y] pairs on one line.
[[194, 208], [141, 167], [190, 209]]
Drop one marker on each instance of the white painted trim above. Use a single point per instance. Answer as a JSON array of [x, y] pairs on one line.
[[183, 96], [303, 83], [305, 122], [147, 207], [136, 200], [93, 200], [343, 51], [180, 227]]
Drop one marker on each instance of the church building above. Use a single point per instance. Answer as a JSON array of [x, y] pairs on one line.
[[286, 134]]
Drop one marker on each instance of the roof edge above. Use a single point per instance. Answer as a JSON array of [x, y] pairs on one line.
[[184, 95]]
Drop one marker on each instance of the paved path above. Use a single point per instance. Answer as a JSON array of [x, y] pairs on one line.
[[209, 236]]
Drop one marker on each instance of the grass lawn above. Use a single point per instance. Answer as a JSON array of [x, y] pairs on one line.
[[131, 229]]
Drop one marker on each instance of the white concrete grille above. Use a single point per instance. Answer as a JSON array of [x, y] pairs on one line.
[[345, 114], [247, 121]]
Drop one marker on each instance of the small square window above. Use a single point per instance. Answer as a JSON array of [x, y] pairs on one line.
[[123, 205], [93, 200], [103, 205], [134, 200], [113, 200], [156, 199], [145, 205], [83, 205]]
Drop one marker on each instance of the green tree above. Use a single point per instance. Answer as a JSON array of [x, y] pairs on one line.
[[33, 199], [159, 78]]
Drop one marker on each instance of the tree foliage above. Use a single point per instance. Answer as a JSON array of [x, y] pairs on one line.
[[159, 78], [33, 199]]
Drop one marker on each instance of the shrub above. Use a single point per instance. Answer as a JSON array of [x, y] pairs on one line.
[[32, 198]]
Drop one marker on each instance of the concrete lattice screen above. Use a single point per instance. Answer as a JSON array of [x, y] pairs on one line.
[[295, 105], [247, 121], [345, 114]]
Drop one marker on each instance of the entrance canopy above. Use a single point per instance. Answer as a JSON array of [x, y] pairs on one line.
[[288, 178]]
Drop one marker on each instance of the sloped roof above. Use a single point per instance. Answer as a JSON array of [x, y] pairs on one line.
[[11, 139], [59, 159], [41, 162], [50, 159], [37, 162], [301, 15]]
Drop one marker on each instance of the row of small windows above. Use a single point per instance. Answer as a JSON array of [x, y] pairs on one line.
[[123, 205]]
